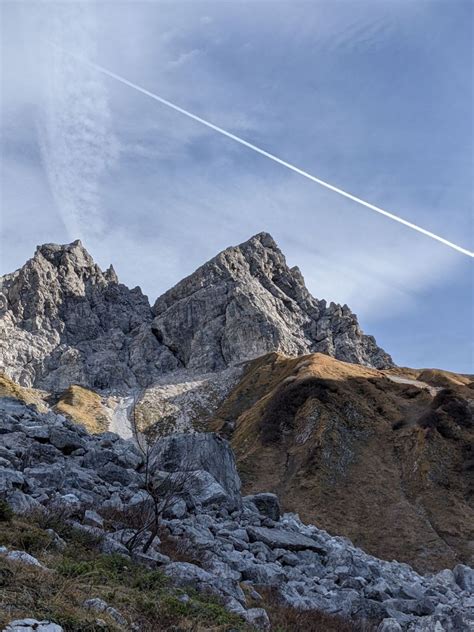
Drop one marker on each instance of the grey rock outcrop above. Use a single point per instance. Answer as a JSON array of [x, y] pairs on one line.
[[281, 539], [247, 302], [64, 321]]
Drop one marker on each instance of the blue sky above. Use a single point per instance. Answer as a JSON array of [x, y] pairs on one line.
[[373, 97]]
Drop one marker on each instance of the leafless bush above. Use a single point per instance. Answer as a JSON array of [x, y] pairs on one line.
[[160, 492]]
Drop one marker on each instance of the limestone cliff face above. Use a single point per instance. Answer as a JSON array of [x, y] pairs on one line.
[[247, 302], [64, 321]]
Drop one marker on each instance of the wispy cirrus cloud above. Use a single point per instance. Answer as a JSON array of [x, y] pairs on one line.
[[77, 141]]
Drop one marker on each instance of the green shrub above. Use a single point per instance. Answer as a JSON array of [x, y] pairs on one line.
[[21, 535], [73, 568], [150, 580]]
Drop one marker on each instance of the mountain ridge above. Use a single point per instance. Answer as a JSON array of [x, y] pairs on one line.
[[63, 320]]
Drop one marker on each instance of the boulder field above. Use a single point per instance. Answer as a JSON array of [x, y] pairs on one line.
[[239, 542]]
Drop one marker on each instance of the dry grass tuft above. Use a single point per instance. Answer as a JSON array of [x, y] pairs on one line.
[[84, 407], [9, 388], [283, 618]]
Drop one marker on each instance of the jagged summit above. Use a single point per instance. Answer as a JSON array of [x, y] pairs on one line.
[[63, 320], [76, 256], [75, 247], [246, 302]]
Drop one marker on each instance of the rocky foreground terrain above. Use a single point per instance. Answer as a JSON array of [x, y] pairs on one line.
[[97, 485], [121, 503]]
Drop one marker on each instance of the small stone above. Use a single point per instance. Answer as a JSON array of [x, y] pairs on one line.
[[32, 625], [24, 558], [258, 618], [56, 540], [93, 519], [96, 604], [389, 625]]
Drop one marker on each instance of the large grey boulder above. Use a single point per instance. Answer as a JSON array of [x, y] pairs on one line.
[[389, 625], [49, 476], [22, 503], [185, 574], [246, 302], [266, 503], [65, 440], [464, 576], [204, 465], [282, 539], [257, 618], [10, 478]]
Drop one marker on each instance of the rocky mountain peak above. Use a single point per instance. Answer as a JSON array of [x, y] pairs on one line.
[[56, 253], [70, 265], [246, 302], [42, 292], [66, 321]]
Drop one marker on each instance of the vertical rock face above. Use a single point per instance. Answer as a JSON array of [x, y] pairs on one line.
[[64, 321], [247, 302]]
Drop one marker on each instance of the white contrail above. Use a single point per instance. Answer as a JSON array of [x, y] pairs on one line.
[[305, 174]]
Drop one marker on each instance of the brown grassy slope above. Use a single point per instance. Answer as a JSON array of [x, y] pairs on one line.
[[434, 377], [8, 388], [83, 407], [80, 404], [320, 433]]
